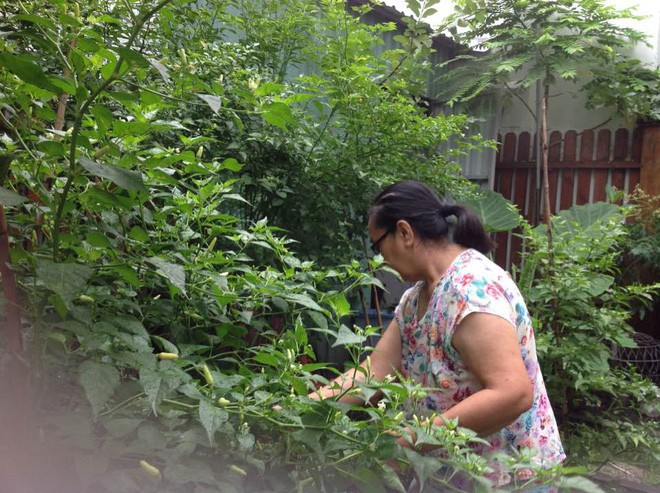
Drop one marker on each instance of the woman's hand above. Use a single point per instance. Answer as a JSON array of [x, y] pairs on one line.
[[407, 439]]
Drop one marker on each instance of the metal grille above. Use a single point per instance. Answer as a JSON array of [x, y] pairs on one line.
[[645, 357]]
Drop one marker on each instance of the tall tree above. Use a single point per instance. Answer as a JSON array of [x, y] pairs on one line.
[[520, 44]]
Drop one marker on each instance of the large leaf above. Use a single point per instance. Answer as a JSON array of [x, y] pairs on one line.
[[172, 272], [211, 417], [585, 216], [124, 178], [132, 325], [496, 212], [598, 284], [65, 279], [100, 380], [278, 114], [152, 383], [159, 382], [9, 198], [28, 71]]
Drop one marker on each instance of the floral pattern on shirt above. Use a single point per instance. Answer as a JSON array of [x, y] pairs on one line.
[[472, 284]]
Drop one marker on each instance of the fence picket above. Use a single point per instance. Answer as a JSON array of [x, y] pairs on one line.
[[600, 175], [568, 175]]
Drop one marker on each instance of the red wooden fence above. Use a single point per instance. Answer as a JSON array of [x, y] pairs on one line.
[[580, 166]]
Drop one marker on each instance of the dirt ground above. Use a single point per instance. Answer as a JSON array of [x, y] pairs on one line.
[[617, 476]]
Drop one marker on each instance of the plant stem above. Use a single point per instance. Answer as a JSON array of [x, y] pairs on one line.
[[122, 404], [80, 114]]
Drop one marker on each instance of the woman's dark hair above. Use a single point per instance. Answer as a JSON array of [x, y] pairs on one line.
[[427, 213]]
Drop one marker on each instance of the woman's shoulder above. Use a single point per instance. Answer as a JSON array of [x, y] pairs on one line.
[[474, 262]]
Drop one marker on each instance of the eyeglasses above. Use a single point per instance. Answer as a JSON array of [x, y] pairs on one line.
[[375, 245]]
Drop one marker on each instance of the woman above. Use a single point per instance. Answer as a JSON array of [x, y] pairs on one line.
[[463, 329]]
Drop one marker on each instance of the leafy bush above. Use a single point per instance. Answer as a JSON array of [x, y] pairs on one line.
[[581, 313]]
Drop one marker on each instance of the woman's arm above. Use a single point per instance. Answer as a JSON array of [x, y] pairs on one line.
[[384, 360], [489, 347]]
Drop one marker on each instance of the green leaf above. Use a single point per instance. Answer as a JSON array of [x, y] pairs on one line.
[[424, 466], [152, 383], [138, 234], [266, 359], [231, 164], [100, 380], [246, 442], [599, 283], [340, 305], [496, 212], [391, 478], [165, 345], [268, 88], [52, 148], [278, 114], [162, 70], [131, 325], [589, 214], [128, 274], [160, 381], [370, 481], [304, 300], [124, 178], [27, 71], [624, 340], [9, 198], [172, 272], [211, 417], [131, 56], [97, 240], [319, 319], [310, 438], [414, 5], [214, 102], [346, 336], [37, 19], [65, 279], [298, 98]]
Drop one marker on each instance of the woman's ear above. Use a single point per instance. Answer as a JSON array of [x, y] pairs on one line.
[[406, 231]]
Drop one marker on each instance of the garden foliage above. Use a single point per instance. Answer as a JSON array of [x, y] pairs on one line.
[[153, 152], [167, 175], [582, 311]]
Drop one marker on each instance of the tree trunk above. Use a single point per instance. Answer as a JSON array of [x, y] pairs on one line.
[[547, 214]]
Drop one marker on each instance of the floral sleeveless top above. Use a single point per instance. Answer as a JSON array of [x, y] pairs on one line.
[[473, 283]]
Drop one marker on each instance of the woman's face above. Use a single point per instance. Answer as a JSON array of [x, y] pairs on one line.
[[389, 243]]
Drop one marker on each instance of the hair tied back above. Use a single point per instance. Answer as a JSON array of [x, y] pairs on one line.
[[447, 210]]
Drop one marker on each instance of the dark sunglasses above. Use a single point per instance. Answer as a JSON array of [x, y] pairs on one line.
[[375, 245]]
